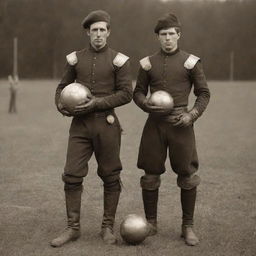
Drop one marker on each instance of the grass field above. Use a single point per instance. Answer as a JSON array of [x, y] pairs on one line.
[[32, 154]]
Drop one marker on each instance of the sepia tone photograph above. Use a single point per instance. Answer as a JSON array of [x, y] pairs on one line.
[[127, 128]]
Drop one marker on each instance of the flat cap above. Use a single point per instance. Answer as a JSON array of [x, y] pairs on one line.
[[95, 16], [168, 20]]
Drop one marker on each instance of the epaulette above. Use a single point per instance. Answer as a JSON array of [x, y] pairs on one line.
[[72, 58], [120, 60], [191, 61], [145, 63]]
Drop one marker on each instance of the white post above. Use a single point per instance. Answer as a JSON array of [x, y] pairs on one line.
[[231, 70], [15, 57]]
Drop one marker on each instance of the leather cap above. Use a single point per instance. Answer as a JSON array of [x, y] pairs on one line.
[[95, 16], [168, 20]]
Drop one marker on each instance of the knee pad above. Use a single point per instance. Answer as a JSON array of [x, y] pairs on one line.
[[72, 183], [188, 182], [112, 183], [150, 182]]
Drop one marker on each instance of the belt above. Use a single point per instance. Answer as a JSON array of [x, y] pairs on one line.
[[178, 110], [175, 113], [103, 113]]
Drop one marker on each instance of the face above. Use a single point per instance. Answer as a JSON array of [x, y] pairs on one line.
[[168, 39], [98, 34]]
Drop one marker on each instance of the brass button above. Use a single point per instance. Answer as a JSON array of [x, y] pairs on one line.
[[110, 119]]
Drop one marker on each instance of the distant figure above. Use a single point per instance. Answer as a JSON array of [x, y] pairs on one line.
[[13, 82], [175, 71]]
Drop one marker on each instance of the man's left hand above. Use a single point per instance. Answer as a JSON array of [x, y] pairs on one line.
[[187, 118], [86, 107], [184, 120]]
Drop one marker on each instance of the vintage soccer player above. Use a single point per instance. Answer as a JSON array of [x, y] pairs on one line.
[[95, 127], [176, 72]]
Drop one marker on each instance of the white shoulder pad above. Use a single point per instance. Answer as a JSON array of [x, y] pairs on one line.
[[191, 61], [72, 58], [120, 60], [145, 64]]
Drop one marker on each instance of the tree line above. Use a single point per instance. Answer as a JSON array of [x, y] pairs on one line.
[[47, 30]]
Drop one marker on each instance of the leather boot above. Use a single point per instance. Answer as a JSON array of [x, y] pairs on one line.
[[111, 199], [150, 200], [107, 235], [72, 231], [188, 200], [189, 236]]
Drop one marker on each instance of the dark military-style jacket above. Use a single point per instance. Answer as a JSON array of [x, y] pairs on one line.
[[105, 72], [175, 73]]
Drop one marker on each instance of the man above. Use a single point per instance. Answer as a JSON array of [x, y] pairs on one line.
[[174, 71], [14, 84], [95, 127]]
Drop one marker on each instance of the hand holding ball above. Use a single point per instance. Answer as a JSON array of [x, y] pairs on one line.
[[73, 95]]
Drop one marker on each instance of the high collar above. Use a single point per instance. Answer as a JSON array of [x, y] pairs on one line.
[[103, 49], [169, 53]]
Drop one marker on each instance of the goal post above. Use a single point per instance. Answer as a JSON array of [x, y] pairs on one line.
[[15, 57]]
